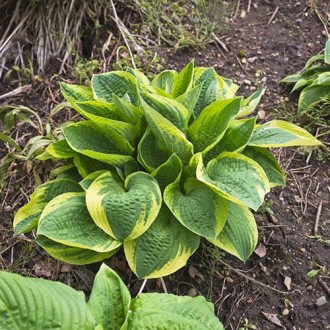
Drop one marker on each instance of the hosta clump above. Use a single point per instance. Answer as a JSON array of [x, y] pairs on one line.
[[154, 167], [30, 303]]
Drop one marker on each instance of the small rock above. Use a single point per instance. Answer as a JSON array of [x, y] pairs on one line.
[[65, 268], [243, 13], [8, 208], [252, 59], [229, 280], [285, 312], [303, 250], [261, 114], [247, 82], [243, 60], [321, 301], [192, 292]]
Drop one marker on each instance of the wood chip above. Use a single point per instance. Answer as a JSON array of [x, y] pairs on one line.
[[287, 282], [260, 251], [272, 318]]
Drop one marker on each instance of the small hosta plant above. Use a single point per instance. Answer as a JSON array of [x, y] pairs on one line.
[[156, 166], [313, 81], [29, 303]]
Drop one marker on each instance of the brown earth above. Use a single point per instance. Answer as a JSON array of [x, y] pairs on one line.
[[272, 287]]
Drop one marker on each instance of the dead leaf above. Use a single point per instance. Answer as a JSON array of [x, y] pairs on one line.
[[44, 269], [260, 251], [193, 273], [272, 318], [287, 282]]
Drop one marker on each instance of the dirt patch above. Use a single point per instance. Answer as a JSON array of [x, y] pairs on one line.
[[258, 48]]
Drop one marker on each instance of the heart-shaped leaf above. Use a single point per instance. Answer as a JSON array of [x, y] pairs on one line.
[[124, 210], [199, 208], [161, 250], [239, 236]]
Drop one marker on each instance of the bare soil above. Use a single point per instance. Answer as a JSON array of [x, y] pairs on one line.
[[258, 47]]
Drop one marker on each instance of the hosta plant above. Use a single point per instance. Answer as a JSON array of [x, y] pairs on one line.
[[154, 167], [29, 303], [313, 81]]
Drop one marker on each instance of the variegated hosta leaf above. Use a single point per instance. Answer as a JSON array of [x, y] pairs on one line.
[[169, 136], [279, 133], [120, 83], [30, 303], [150, 153], [163, 249], [86, 138], [211, 86], [167, 312], [27, 217], [183, 82], [311, 96], [128, 112], [97, 109], [168, 172], [235, 138], [87, 165], [66, 220], [210, 126], [124, 211], [164, 80], [237, 177], [76, 93], [250, 104], [239, 236], [72, 255], [109, 300], [190, 98], [141, 78], [268, 162], [59, 149], [171, 109], [199, 208], [89, 179]]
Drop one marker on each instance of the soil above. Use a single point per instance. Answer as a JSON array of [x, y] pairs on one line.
[[259, 46]]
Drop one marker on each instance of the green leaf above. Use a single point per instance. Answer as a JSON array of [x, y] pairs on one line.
[[128, 112], [86, 165], [76, 93], [92, 109], [173, 140], [322, 79], [189, 99], [27, 217], [140, 76], [60, 150], [124, 210], [109, 300], [66, 220], [29, 303], [210, 88], [168, 172], [279, 133], [168, 312], [237, 177], [269, 163], [151, 154], [210, 126], [90, 178], [90, 140], [164, 80], [235, 138], [7, 139], [72, 255], [183, 81], [311, 96], [251, 103], [171, 109], [327, 52], [199, 208], [119, 83], [163, 249], [293, 78], [239, 236]]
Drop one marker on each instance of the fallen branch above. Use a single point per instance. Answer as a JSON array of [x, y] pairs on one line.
[[16, 91]]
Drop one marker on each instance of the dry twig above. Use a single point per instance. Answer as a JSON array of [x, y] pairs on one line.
[[273, 15], [317, 219]]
